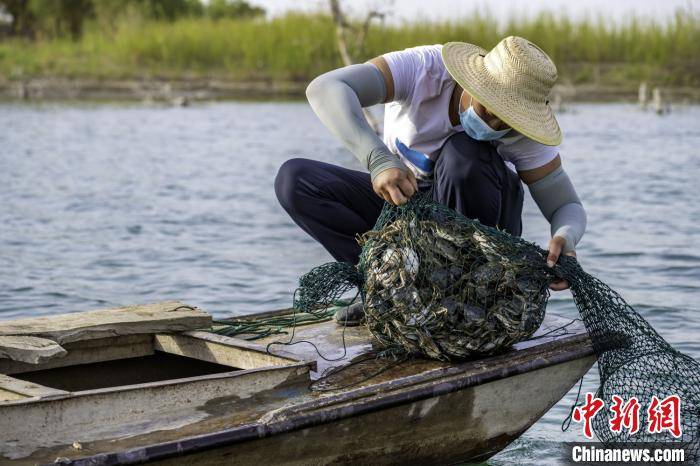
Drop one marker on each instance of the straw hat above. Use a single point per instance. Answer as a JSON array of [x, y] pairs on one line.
[[512, 81]]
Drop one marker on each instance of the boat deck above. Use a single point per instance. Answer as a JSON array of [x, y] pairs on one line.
[[331, 347]]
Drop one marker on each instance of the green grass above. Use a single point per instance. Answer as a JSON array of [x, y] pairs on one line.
[[298, 47]]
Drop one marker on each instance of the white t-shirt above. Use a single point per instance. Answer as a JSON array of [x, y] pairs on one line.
[[419, 115]]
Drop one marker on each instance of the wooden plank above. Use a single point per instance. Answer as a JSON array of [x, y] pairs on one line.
[[171, 316], [10, 385], [242, 344], [32, 350], [275, 350], [219, 349], [8, 395], [88, 351]]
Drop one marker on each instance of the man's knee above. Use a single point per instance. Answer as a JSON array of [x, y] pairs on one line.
[[289, 181], [465, 160]]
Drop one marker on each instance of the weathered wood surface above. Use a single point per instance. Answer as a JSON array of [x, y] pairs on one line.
[[87, 352], [29, 349], [13, 389], [220, 349], [170, 316]]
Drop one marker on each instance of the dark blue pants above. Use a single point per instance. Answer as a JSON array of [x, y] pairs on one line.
[[333, 204]]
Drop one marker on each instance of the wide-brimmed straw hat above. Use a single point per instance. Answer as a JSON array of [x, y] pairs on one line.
[[512, 81]]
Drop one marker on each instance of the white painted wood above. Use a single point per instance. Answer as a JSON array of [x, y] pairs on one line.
[[9, 395], [118, 411], [23, 389]]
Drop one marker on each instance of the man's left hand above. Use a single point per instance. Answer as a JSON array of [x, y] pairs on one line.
[[556, 245]]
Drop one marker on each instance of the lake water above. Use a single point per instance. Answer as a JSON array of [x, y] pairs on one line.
[[105, 204]]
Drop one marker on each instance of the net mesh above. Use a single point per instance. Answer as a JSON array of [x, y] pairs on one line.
[[437, 284]]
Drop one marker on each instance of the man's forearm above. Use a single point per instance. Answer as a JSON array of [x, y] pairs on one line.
[[569, 222], [557, 199]]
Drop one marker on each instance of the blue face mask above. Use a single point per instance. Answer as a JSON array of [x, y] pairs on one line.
[[477, 128]]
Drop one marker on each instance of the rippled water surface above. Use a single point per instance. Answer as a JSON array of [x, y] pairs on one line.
[[104, 205]]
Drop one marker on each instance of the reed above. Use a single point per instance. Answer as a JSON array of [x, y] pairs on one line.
[[300, 46]]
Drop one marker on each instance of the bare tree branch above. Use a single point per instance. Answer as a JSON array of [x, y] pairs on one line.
[[362, 34], [342, 27]]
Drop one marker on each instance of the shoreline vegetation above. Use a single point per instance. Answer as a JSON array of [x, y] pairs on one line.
[[206, 58]]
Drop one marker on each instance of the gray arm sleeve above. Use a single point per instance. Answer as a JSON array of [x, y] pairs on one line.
[[337, 98], [557, 199]]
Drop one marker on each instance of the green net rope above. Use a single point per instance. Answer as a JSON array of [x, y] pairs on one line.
[[255, 328]]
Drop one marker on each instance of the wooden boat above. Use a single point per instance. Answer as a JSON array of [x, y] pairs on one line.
[[142, 384]]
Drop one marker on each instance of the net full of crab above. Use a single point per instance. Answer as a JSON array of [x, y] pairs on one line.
[[450, 288]]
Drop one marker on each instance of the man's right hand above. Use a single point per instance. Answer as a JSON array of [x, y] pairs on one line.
[[395, 185]]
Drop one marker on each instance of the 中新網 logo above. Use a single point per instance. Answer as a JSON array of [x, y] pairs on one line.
[[661, 415]]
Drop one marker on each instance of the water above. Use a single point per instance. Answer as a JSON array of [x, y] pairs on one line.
[[104, 205]]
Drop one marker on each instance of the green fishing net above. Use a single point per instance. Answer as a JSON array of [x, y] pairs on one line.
[[435, 283]]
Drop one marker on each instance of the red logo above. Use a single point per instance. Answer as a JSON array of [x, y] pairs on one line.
[[662, 415], [665, 415], [625, 415], [587, 412]]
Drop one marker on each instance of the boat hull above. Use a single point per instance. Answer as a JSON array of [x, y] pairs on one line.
[[466, 425], [350, 407]]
